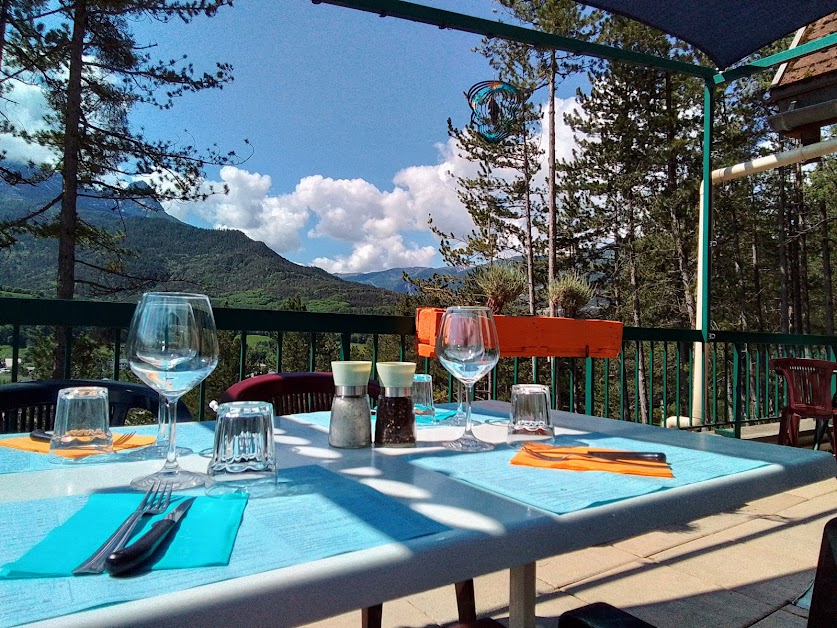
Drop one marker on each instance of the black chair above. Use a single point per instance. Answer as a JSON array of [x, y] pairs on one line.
[[27, 406], [823, 611]]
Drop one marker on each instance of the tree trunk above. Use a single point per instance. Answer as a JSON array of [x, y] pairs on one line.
[[756, 273], [826, 271], [527, 206], [69, 171], [794, 259], [804, 287], [4, 20], [676, 229], [636, 312], [781, 230], [551, 252]]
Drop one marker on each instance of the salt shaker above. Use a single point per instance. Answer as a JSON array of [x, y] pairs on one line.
[[395, 425], [350, 426]]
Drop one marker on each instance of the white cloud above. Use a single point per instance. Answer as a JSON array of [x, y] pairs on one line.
[[275, 220], [378, 254], [25, 106], [377, 223]]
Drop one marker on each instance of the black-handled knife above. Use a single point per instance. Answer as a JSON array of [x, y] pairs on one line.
[[137, 553], [41, 435], [648, 456]]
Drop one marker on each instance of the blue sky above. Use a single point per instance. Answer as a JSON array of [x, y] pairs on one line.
[[346, 113]]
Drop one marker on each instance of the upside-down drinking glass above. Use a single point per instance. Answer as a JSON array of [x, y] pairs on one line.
[[468, 348], [172, 346]]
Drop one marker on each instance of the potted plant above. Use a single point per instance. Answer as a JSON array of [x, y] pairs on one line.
[[541, 336]]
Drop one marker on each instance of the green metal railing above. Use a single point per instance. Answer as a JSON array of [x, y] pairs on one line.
[[650, 381]]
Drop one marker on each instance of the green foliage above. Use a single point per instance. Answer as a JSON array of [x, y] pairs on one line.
[[570, 292], [235, 270], [500, 284]]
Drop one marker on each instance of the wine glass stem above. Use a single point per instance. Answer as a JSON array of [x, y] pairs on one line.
[[171, 418], [162, 426], [469, 395]]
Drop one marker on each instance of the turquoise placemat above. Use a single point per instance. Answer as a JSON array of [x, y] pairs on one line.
[[322, 514], [196, 436], [323, 418], [559, 491]]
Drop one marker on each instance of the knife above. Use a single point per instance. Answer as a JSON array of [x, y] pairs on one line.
[[138, 553], [647, 456], [41, 435]]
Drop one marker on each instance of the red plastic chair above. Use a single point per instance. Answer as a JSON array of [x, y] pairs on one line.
[[290, 393], [809, 395], [295, 393]]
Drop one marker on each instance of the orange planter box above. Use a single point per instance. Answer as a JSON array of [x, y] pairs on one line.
[[534, 336]]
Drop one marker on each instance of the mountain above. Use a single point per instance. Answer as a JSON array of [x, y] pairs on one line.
[[393, 278], [225, 264]]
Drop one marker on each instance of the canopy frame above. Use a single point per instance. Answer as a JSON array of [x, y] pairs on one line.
[[712, 79]]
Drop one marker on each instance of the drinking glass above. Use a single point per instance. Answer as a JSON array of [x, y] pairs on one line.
[[423, 397], [529, 418], [244, 456], [82, 417], [172, 347], [468, 348]]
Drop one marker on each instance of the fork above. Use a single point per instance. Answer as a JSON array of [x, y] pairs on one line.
[[123, 438], [155, 502]]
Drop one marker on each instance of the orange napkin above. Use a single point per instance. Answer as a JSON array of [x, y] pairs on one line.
[[577, 461], [42, 447]]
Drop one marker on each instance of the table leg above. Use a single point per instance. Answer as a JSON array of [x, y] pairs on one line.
[[522, 596]]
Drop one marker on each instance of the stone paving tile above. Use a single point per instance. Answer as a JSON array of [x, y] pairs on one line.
[[782, 619], [397, 614], [562, 570], [809, 491], [672, 536], [667, 597], [736, 560], [772, 504]]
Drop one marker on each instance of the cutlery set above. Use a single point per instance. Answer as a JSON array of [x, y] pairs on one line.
[[115, 555], [556, 455]]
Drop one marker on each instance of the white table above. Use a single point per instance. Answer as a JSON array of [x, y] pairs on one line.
[[487, 532]]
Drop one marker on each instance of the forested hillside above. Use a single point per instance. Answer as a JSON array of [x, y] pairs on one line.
[[227, 265]]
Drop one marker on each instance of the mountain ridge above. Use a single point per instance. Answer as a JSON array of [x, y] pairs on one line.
[[225, 264]]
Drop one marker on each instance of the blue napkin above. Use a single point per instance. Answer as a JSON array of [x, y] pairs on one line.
[[205, 537]]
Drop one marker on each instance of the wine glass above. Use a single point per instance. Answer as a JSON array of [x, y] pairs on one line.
[[172, 347], [468, 348]]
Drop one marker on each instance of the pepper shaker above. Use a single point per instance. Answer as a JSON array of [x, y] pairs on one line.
[[395, 424], [350, 426]]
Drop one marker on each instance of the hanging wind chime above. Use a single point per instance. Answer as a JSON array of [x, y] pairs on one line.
[[495, 106]]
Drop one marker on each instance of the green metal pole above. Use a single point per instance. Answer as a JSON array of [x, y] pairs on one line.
[[242, 355], [588, 385], [706, 217]]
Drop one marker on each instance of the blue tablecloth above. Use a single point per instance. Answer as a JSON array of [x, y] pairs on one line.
[[322, 514]]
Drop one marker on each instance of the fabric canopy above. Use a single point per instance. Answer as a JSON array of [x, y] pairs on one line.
[[727, 31]]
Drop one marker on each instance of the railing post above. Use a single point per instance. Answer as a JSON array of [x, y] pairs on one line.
[[117, 350], [242, 355], [588, 385], [15, 351], [280, 337], [736, 389], [68, 355], [345, 346]]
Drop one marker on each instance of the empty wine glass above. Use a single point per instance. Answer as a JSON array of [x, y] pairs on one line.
[[172, 347], [468, 348]]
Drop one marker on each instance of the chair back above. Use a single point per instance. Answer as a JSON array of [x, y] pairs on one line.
[[823, 611], [290, 393], [809, 384], [26, 406]]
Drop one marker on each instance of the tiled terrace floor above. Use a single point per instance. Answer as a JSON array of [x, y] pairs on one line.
[[734, 569]]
